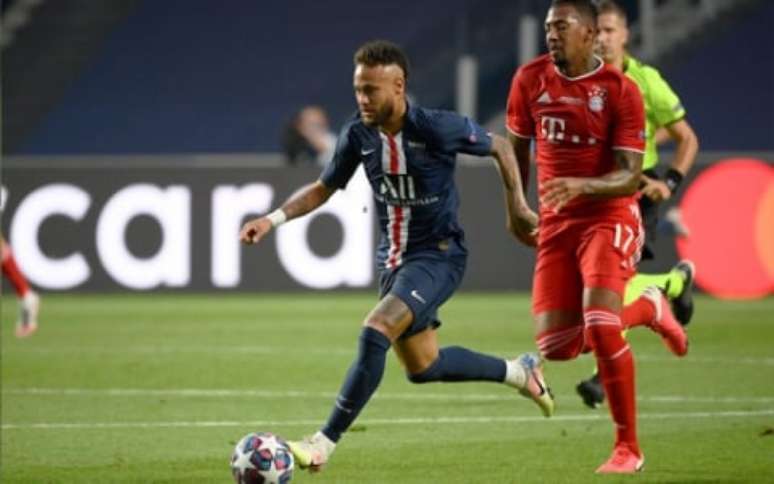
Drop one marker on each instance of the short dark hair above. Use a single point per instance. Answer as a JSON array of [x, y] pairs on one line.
[[382, 53], [586, 8], [610, 6]]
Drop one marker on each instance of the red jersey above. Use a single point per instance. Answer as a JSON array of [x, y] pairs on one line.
[[578, 123]]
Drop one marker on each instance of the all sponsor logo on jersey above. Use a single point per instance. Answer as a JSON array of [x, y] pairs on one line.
[[397, 187], [402, 190]]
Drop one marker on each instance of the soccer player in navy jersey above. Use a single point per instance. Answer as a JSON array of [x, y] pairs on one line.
[[408, 153]]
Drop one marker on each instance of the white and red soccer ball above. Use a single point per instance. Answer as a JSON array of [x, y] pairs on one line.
[[262, 458]]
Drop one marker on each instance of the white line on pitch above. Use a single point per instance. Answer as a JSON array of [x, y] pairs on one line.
[[382, 421], [269, 394], [349, 352]]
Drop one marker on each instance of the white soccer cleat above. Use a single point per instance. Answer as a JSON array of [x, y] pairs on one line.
[[525, 374], [312, 452], [28, 315]]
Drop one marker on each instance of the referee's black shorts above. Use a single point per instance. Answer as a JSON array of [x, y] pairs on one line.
[[649, 211]]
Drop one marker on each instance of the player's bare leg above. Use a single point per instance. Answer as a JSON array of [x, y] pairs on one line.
[[418, 352]]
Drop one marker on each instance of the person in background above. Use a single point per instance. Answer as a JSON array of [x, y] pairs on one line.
[[308, 138]]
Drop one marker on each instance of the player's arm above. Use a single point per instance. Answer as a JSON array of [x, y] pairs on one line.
[[335, 175], [522, 150], [520, 127], [520, 219], [303, 201], [621, 182]]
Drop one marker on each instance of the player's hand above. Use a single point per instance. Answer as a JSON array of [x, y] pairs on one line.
[[656, 190], [254, 230], [558, 192], [523, 224]]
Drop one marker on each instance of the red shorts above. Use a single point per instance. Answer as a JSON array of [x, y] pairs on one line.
[[584, 252]]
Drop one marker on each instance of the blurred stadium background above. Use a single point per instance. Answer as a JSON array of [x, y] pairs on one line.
[[105, 102], [138, 134]]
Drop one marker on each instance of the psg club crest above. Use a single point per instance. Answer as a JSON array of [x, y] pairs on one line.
[[597, 97]]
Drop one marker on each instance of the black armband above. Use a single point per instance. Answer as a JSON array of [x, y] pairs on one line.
[[672, 178]]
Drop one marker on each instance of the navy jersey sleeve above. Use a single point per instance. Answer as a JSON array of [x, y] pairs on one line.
[[337, 173], [459, 134]]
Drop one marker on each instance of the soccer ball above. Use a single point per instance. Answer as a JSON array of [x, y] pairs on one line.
[[262, 458]]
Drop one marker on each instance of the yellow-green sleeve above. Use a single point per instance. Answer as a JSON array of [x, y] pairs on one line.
[[666, 107]]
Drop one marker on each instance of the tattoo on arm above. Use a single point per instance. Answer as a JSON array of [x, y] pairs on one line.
[[306, 199], [623, 181]]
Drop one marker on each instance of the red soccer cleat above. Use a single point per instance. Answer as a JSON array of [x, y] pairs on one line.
[[623, 461], [665, 323]]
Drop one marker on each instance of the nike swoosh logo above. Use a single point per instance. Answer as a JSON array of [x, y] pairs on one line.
[[365, 152], [415, 294]]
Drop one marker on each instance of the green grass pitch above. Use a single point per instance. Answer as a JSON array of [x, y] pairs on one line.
[[159, 387]]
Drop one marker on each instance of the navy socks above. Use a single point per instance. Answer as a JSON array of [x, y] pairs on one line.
[[361, 382], [455, 363]]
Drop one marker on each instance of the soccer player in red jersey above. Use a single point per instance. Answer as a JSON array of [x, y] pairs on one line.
[[29, 302], [588, 123]]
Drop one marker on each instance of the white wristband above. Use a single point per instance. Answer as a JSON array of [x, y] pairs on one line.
[[277, 217]]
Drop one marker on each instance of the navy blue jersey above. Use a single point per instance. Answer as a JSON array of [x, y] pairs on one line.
[[411, 174]]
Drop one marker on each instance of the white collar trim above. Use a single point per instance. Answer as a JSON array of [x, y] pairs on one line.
[[583, 76]]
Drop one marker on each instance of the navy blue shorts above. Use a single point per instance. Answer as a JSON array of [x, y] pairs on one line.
[[424, 282]]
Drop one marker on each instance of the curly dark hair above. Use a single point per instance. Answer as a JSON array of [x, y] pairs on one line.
[[382, 53]]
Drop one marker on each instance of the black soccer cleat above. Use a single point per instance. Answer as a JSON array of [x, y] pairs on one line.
[[591, 391], [682, 305]]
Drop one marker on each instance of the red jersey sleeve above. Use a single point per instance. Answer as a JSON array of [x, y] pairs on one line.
[[629, 128], [518, 118]]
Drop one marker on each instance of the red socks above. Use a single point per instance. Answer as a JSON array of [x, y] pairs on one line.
[[616, 370], [638, 313], [12, 272]]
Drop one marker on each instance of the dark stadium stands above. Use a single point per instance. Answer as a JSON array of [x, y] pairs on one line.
[[209, 77], [726, 82], [201, 76]]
